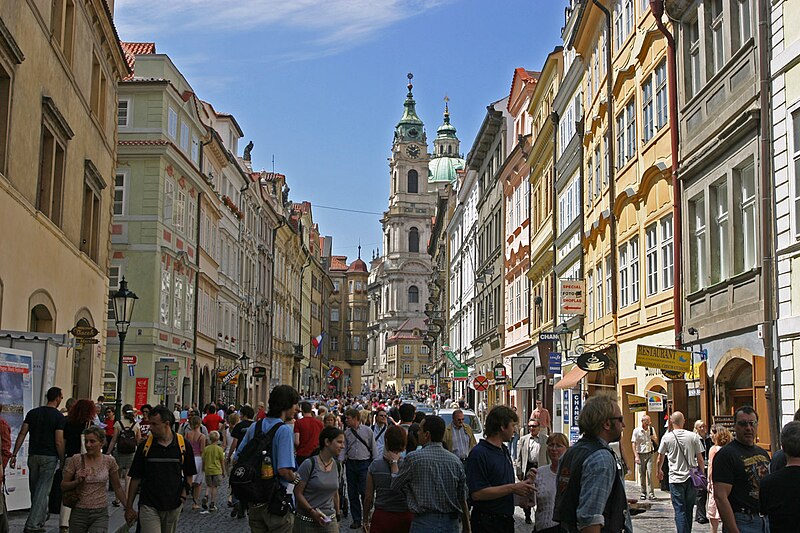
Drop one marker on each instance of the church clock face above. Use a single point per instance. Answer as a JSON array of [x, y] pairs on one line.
[[412, 151]]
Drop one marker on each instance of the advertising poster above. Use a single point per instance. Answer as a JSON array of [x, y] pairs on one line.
[[142, 385], [16, 397]]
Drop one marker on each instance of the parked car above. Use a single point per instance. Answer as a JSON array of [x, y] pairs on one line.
[[470, 419]]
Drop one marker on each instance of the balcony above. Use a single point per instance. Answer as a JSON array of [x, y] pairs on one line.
[[353, 357]]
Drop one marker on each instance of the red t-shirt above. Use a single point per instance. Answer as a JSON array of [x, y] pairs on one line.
[[212, 421], [309, 429]]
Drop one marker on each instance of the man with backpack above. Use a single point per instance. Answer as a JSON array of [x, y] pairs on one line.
[[360, 450], [163, 467], [265, 465]]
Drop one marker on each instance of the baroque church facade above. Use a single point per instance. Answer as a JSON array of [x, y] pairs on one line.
[[398, 282]]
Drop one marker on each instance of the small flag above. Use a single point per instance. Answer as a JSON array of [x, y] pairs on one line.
[[317, 343]]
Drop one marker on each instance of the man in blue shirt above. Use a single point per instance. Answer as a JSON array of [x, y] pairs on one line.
[[490, 475], [283, 402]]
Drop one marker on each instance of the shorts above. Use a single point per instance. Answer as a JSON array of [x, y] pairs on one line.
[[198, 477], [213, 480]]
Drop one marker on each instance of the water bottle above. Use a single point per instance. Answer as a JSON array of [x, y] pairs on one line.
[[267, 472]]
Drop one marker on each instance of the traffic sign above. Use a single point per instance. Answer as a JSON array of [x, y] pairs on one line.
[[129, 359], [523, 372], [481, 383]]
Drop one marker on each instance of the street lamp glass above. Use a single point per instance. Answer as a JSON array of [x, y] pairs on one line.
[[124, 301], [564, 337], [245, 361]]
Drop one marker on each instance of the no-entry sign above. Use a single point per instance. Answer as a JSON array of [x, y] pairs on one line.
[[481, 383]]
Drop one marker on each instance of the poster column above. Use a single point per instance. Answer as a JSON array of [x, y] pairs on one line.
[[16, 396]]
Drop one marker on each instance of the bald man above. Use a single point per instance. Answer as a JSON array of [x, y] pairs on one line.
[[645, 442], [684, 450]]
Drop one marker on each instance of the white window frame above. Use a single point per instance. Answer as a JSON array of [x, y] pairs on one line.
[[715, 55], [195, 149], [179, 211], [623, 276], [590, 296], [185, 136], [661, 96], [172, 123], [699, 236], [165, 297], [720, 231], [748, 223], [667, 253], [121, 189], [651, 243], [793, 146], [633, 248], [599, 286], [648, 110], [169, 200], [630, 129], [127, 122]]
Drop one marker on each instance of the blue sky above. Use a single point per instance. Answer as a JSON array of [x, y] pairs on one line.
[[320, 84]]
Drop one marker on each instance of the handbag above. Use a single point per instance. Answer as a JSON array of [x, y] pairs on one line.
[[696, 474], [71, 497]]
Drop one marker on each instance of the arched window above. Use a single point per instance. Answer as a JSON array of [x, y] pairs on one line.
[[413, 181], [41, 319], [413, 240], [413, 294]]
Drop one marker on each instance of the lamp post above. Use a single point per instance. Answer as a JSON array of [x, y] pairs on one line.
[[245, 362], [124, 301], [564, 338]]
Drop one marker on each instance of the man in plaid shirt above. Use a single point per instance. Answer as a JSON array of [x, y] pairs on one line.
[[433, 482]]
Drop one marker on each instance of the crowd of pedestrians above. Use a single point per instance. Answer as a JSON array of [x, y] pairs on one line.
[[394, 469]]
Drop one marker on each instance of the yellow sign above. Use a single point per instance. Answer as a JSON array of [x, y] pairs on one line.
[[663, 358], [636, 403]]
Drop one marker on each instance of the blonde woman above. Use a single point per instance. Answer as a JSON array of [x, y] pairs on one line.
[[720, 436], [557, 444], [198, 442]]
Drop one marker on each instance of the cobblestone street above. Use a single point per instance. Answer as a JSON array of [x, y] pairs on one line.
[[658, 519]]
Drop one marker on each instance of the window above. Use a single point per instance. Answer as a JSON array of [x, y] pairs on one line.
[[413, 240], [119, 193], [795, 155], [590, 296], [406, 348], [123, 106], [619, 37], [661, 94], [620, 140], [666, 252], [334, 343], [633, 248], [413, 294], [745, 252], [623, 275], [356, 343], [169, 194], [97, 100], [743, 25], [179, 213], [630, 125], [172, 123], [189, 304], [413, 181], [55, 133], [599, 295], [166, 282], [114, 275], [62, 26], [716, 52], [406, 368], [195, 149], [693, 81], [651, 242], [697, 245], [92, 214], [185, 136], [648, 125], [191, 216], [720, 232], [629, 15], [608, 285], [177, 315], [598, 162]]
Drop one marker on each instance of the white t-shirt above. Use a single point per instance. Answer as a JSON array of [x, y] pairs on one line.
[[642, 440], [545, 498], [680, 461]]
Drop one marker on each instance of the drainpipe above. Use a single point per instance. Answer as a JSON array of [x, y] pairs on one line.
[[196, 293], [657, 7], [768, 275], [553, 223], [612, 185]]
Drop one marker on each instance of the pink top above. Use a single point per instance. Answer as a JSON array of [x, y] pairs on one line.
[[197, 440], [93, 494]]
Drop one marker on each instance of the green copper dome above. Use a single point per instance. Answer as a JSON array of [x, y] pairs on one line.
[[410, 127], [446, 130], [443, 169]]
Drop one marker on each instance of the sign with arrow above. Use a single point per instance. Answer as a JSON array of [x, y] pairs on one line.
[[573, 296]]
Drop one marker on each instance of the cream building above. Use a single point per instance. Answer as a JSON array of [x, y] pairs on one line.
[[60, 63]]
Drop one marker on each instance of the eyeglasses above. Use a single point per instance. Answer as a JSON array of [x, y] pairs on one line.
[[533, 426], [745, 423]]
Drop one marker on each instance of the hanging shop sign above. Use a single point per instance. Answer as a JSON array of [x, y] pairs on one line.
[[228, 377], [636, 403], [499, 373], [84, 332], [592, 361], [335, 373], [460, 370], [573, 296], [259, 372], [671, 374], [663, 358], [554, 360], [655, 401]]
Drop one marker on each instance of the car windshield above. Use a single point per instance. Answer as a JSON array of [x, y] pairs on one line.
[[469, 419]]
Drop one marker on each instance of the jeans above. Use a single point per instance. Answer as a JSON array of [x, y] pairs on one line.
[[151, 520], [435, 523], [683, 496], [702, 500], [261, 521], [41, 469], [750, 523], [646, 472], [356, 485]]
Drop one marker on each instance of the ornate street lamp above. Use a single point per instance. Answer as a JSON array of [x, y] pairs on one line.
[[124, 301], [564, 338], [244, 361]]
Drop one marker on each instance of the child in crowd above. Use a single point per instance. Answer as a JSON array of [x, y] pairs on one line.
[[213, 459]]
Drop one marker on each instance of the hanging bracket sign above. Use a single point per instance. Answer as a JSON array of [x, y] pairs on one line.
[[663, 358]]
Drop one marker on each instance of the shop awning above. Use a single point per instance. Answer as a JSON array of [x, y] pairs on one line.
[[570, 379]]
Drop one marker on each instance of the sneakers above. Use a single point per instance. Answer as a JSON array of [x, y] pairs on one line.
[[212, 507], [652, 497], [205, 502], [642, 497]]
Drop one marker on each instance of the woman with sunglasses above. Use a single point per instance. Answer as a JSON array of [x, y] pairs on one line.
[[557, 445]]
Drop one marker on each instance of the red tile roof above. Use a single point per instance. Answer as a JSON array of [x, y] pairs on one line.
[[136, 49], [358, 266], [339, 263], [526, 76]]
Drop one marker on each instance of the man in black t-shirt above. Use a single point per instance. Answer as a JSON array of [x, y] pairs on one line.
[[45, 452], [780, 491], [738, 470], [164, 472]]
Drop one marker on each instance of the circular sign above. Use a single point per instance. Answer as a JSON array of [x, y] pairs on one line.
[[592, 361], [481, 383], [672, 374]]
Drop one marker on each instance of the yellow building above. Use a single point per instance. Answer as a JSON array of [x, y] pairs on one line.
[[628, 223], [407, 358], [60, 63]]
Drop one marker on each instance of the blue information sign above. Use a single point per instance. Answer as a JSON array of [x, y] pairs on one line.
[[555, 362], [576, 409]]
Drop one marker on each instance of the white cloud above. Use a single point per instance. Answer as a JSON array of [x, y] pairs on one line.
[[325, 26]]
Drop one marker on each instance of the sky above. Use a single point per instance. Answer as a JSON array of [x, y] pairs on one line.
[[319, 84]]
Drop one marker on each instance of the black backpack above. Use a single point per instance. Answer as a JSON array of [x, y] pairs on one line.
[[126, 442], [246, 483]]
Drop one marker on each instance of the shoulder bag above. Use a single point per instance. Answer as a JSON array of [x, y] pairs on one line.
[[71, 497]]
